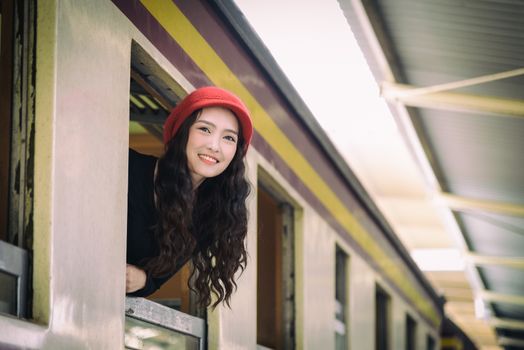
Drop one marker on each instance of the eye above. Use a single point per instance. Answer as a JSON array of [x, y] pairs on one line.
[[230, 138], [204, 129]]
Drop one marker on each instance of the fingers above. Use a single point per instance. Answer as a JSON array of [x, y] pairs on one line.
[[135, 278], [129, 278]]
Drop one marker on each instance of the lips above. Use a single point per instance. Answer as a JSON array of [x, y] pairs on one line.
[[207, 159]]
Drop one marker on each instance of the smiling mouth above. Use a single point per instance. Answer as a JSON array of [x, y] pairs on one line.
[[207, 159]]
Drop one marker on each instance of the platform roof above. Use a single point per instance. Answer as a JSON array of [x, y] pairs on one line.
[[450, 175], [453, 74]]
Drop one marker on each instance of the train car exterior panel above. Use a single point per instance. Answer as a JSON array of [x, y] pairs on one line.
[[236, 327], [314, 265], [177, 24], [82, 108], [87, 223], [82, 119]]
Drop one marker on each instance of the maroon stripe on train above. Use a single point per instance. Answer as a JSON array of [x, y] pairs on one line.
[[150, 27], [226, 44], [240, 62], [161, 39], [274, 159]]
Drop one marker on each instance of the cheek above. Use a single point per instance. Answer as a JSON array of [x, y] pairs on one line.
[[193, 139], [231, 153]]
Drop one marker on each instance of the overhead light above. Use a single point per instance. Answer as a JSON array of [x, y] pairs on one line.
[[446, 259]]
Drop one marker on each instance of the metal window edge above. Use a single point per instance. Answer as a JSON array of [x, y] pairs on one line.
[[151, 312], [14, 261]]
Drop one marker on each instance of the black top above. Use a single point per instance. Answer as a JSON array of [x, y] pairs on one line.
[[142, 218]]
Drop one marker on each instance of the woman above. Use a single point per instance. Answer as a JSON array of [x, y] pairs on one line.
[[190, 203]]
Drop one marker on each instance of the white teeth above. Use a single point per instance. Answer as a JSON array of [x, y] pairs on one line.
[[204, 156]]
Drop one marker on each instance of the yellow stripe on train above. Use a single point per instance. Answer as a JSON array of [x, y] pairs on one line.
[[185, 34]]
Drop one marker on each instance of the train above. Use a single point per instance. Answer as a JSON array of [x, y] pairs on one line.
[[91, 79]]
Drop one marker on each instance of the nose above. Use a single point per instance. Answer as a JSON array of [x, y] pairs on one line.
[[214, 143]]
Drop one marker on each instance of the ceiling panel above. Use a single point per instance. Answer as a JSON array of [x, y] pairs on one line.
[[503, 310], [478, 156], [511, 333], [503, 280], [455, 39], [491, 234]]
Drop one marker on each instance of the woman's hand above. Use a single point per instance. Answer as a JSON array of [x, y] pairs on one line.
[[135, 278]]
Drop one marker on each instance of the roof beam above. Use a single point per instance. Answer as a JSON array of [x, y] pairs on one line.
[[507, 341], [372, 27], [464, 83], [501, 298], [506, 323], [512, 262], [451, 101], [417, 145], [146, 86], [463, 203]]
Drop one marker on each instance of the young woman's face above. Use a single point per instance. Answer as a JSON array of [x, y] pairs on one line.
[[211, 144]]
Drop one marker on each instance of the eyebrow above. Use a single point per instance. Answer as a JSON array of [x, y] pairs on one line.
[[213, 125]]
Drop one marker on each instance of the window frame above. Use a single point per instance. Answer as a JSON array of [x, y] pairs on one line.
[[341, 307], [289, 210], [6, 71], [17, 120], [411, 333], [430, 342], [386, 297], [153, 93]]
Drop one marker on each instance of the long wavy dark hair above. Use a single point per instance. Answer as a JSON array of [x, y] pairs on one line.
[[208, 225]]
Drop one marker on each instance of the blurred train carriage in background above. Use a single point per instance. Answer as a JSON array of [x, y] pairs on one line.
[[84, 80]]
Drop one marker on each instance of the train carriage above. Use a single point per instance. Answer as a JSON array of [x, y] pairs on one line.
[[325, 270]]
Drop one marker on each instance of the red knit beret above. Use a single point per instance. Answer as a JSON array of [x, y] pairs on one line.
[[209, 96]]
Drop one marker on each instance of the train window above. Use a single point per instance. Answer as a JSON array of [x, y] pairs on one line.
[[382, 319], [153, 93], [6, 72], [341, 298], [430, 343], [275, 272], [411, 332], [17, 62], [8, 297]]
